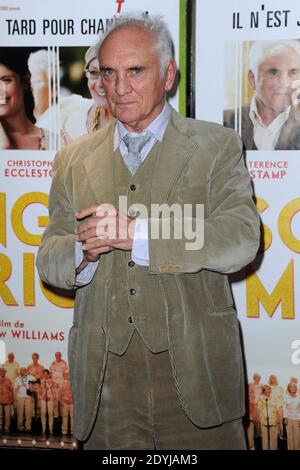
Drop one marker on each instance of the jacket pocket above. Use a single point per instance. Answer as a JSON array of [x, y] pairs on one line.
[[218, 293]]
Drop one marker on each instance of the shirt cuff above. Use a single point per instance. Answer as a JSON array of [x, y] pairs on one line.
[[86, 275], [140, 245]]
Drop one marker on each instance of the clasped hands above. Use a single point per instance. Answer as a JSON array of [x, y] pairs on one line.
[[105, 229]]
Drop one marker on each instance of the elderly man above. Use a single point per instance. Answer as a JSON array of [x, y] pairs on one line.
[[271, 121], [269, 415], [23, 395], [57, 370], [12, 368], [154, 350], [254, 392], [6, 400]]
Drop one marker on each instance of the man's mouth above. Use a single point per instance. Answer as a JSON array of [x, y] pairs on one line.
[[129, 103]]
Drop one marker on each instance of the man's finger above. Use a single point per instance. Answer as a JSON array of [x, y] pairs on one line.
[[102, 210], [106, 210], [101, 250], [86, 212], [98, 243]]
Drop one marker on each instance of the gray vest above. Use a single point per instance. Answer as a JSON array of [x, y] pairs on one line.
[[132, 305]]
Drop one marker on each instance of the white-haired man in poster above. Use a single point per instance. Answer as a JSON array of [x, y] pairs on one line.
[[271, 121]]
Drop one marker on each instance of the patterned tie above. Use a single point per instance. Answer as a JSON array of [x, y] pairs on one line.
[[133, 159]]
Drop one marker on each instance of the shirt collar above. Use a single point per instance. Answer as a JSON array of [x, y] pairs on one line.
[[254, 115], [156, 127]]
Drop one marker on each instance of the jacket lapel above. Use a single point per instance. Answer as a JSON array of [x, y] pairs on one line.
[[175, 151], [99, 167]]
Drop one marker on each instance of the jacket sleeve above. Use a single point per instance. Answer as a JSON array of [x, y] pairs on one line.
[[56, 255], [231, 228]]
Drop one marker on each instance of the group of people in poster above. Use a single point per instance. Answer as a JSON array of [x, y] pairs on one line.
[[271, 410], [32, 393]]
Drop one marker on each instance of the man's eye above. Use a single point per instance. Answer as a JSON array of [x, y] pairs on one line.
[[273, 72], [108, 73], [136, 70]]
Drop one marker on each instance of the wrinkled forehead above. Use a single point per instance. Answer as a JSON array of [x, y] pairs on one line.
[[284, 57], [126, 38]]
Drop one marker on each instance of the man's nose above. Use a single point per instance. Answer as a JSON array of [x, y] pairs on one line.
[[285, 80], [122, 85]]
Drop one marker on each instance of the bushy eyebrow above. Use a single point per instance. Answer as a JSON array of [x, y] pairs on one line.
[[131, 67]]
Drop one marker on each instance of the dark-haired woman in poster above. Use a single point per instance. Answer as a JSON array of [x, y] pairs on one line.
[[17, 122]]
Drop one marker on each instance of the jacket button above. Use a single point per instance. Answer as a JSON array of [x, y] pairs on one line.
[[130, 319], [131, 263], [132, 291], [132, 187]]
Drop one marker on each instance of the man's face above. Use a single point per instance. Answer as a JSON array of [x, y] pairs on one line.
[[58, 356], [35, 358], [11, 357], [131, 77], [274, 84]]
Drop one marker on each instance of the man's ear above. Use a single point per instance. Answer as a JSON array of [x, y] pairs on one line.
[[251, 79], [170, 75]]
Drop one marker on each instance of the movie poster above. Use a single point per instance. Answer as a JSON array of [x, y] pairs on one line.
[[48, 63], [248, 78]]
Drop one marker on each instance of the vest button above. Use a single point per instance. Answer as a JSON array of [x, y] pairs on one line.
[[130, 320], [132, 187], [132, 291], [133, 214], [131, 263]]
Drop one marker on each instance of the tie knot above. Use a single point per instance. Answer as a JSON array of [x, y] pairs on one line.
[[135, 144]]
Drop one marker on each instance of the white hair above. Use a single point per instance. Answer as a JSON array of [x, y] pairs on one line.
[[261, 50], [163, 44], [38, 59]]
